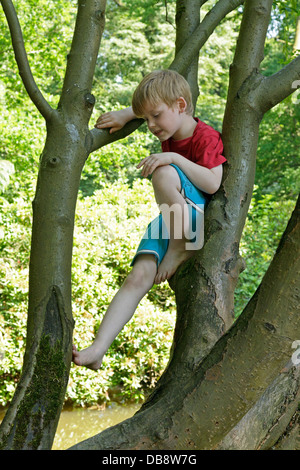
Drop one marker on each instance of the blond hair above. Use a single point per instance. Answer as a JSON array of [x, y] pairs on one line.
[[161, 86]]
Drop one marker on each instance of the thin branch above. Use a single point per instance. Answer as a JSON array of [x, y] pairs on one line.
[[202, 33], [22, 60], [297, 36], [279, 86], [167, 15]]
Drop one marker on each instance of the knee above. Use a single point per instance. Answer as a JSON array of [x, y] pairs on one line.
[[140, 277], [163, 174], [133, 280]]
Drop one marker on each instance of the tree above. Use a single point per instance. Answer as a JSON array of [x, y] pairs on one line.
[[229, 386]]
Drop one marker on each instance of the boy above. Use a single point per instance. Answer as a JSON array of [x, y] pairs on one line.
[[189, 166]]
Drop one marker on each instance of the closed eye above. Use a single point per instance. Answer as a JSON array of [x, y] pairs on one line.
[[154, 116]]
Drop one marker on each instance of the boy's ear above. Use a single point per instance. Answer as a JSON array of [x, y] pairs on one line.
[[182, 105]]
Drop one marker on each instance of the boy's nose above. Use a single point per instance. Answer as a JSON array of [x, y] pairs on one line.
[[151, 125]]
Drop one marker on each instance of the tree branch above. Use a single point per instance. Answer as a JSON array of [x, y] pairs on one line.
[[101, 137], [82, 58], [192, 46], [250, 45], [278, 86], [272, 412], [22, 60]]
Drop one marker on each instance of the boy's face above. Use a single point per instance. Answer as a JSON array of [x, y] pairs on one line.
[[164, 122]]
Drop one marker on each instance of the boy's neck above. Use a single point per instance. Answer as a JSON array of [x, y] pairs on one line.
[[186, 129]]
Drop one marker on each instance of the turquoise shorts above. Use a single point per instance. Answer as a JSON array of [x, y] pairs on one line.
[[156, 238]]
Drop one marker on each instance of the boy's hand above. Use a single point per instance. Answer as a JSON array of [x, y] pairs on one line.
[[155, 160], [112, 119], [115, 119]]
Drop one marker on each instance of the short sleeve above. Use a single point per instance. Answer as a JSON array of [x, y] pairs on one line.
[[208, 149]]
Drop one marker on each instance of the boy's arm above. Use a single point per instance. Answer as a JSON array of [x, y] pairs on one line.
[[115, 119], [207, 180]]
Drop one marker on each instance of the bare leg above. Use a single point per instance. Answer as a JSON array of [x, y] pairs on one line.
[[166, 184], [137, 284]]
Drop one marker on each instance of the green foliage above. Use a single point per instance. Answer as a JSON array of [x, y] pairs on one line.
[[6, 170], [278, 168], [15, 224], [214, 62], [283, 26], [47, 32], [138, 39]]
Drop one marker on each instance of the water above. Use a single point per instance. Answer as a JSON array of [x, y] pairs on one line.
[[81, 423]]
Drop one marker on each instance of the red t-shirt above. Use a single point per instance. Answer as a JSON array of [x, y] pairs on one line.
[[204, 147]]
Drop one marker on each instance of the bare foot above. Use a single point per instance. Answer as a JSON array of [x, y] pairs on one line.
[[171, 261], [88, 357]]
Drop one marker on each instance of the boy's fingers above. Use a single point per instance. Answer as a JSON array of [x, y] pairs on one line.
[[141, 163], [104, 125], [149, 166], [103, 121]]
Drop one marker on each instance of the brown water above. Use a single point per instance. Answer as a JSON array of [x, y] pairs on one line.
[[81, 423]]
